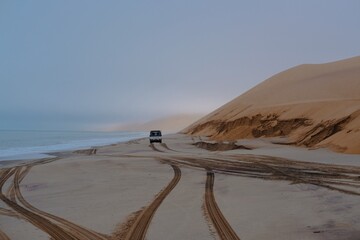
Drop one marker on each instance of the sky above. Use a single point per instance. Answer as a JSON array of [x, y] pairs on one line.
[[86, 64]]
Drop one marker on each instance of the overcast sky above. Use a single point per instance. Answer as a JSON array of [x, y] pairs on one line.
[[85, 64]]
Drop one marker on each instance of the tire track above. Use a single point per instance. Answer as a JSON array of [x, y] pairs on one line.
[[317, 182], [8, 212], [167, 148], [339, 178], [11, 193], [59, 229], [42, 223], [3, 236], [139, 228], [74, 229], [222, 226], [152, 146]]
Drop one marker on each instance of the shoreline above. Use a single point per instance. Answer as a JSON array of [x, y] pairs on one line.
[[33, 152], [267, 147]]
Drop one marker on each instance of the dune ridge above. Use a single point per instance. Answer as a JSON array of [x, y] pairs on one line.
[[314, 105]]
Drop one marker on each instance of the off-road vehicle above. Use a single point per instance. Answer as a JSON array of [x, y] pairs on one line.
[[155, 136]]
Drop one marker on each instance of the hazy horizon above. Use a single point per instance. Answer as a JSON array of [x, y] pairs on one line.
[[86, 65]]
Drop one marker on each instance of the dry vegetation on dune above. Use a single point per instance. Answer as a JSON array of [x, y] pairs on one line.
[[315, 105]]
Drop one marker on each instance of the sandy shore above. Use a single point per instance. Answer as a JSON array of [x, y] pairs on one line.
[[179, 191]]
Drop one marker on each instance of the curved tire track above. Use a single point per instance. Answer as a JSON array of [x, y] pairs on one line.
[[76, 230], [164, 145], [3, 236], [222, 226], [47, 226], [139, 228], [152, 146], [56, 227]]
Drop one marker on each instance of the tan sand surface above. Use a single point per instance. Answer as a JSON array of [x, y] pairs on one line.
[[315, 105], [283, 211], [184, 208], [135, 190]]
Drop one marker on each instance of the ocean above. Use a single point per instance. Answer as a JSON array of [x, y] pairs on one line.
[[16, 145]]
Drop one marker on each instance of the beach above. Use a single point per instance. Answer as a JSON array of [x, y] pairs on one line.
[[178, 190], [171, 120]]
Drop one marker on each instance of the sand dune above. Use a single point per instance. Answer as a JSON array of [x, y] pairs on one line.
[[315, 105]]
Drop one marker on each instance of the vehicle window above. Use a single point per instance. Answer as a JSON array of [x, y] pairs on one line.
[[155, 133]]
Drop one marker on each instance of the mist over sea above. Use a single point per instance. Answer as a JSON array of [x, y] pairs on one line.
[[16, 145]]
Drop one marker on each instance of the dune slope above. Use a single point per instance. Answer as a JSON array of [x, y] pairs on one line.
[[315, 105]]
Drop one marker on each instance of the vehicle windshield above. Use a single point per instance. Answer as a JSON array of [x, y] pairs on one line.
[[155, 133]]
